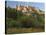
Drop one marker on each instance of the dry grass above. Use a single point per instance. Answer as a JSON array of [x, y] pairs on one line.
[[38, 30], [20, 30], [24, 30]]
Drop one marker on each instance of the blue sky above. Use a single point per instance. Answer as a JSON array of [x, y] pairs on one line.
[[34, 4]]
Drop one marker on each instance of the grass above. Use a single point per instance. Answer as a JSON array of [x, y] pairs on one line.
[[23, 30]]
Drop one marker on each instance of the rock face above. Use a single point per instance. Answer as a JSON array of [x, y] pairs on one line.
[[28, 10]]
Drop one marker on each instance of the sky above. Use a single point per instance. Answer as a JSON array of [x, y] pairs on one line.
[[13, 4]]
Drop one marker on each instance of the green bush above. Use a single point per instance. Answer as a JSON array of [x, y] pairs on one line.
[[16, 19]]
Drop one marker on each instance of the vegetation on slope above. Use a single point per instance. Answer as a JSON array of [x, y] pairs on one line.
[[16, 19]]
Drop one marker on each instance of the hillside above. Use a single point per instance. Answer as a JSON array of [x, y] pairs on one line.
[[26, 19]]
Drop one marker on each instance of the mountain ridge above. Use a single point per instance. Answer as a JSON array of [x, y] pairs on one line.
[[29, 9]]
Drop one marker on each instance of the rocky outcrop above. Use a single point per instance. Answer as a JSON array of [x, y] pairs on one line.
[[28, 10]]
